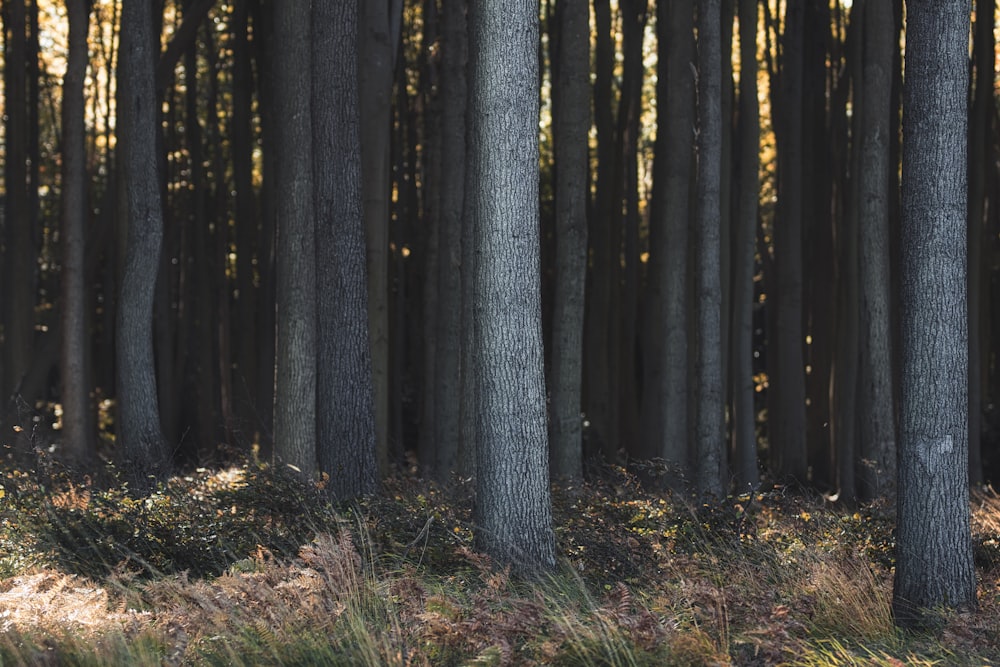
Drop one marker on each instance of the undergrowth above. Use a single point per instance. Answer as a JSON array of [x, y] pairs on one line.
[[247, 566]]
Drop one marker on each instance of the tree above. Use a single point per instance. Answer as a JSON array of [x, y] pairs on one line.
[[934, 565], [571, 98], [78, 441], [787, 411], [876, 418], [744, 434], [344, 394], [448, 338], [710, 396], [143, 445], [513, 507], [665, 398], [295, 357]]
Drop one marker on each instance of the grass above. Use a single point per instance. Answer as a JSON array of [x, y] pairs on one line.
[[245, 566]]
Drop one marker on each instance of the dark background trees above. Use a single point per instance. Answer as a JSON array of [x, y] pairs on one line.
[[809, 237]]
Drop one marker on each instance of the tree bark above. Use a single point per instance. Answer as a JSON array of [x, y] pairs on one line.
[[876, 417], [571, 127], [345, 397], [934, 565], [139, 431], [295, 358], [513, 506], [77, 432]]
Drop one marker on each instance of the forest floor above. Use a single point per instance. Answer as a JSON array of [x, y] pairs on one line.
[[243, 566]]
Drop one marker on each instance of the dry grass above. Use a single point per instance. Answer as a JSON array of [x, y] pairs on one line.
[[242, 567]]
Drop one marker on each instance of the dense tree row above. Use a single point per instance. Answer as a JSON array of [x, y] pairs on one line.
[[495, 239]]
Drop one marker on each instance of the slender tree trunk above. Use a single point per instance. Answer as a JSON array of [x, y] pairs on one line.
[[345, 397], [787, 417], [448, 355], [143, 446], [979, 165], [19, 257], [78, 438], [671, 245], [710, 397], [375, 49], [295, 358], [513, 507], [571, 127], [934, 548], [878, 432], [744, 419]]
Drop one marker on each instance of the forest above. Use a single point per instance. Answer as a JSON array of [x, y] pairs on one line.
[[373, 292]]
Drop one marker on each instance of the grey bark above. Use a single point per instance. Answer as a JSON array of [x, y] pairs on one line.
[[448, 354], [709, 399], [344, 392], [77, 435], [571, 126], [934, 565], [295, 356], [139, 431], [665, 400], [744, 245], [513, 508], [878, 432]]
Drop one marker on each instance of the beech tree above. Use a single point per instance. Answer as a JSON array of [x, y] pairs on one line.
[[513, 512], [934, 565], [143, 445], [344, 394]]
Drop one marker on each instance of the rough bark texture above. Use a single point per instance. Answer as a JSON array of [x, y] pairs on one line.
[[709, 421], [513, 506], [142, 444], [878, 430], [743, 418], [571, 126], [295, 346], [345, 429], [448, 354], [77, 437], [934, 549]]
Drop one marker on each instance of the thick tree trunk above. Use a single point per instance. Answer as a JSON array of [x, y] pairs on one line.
[[295, 358], [878, 431], [345, 397], [143, 446], [77, 433], [934, 549], [571, 127], [513, 507]]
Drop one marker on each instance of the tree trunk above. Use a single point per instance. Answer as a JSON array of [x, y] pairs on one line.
[[934, 549], [143, 446], [513, 506], [346, 414], [744, 418], [787, 418], [77, 433], [448, 354], [878, 432], [571, 127], [295, 359]]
